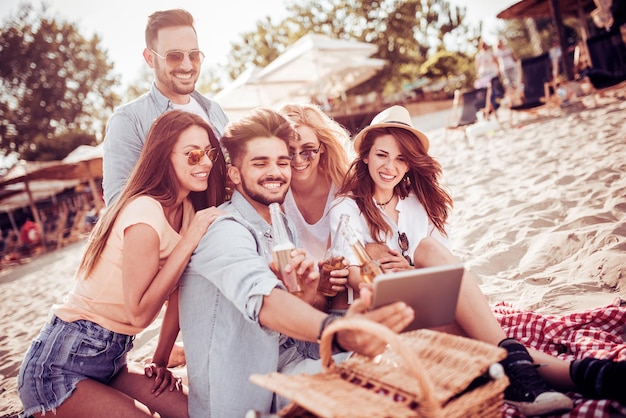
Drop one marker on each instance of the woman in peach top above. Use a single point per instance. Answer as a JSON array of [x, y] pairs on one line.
[[136, 253]]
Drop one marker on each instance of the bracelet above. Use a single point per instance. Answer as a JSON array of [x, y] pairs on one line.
[[325, 322], [335, 346]]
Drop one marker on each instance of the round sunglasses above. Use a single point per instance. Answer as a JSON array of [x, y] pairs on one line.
[[176, 56], [194, 157], [306, 155]]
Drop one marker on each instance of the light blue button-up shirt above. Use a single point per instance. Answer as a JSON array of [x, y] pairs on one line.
[[126, 133], [221, 294]]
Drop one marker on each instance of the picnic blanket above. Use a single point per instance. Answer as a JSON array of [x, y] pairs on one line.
[[599, 333]]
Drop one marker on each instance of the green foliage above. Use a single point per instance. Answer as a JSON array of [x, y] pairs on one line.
[[141, 85], [53, 81], [406, 33], [258, 47], [457, 68], [209, 82], [532, 37], [45, 150]]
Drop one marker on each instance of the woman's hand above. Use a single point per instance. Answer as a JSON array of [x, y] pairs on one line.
[[201, 221], [339, 277], [394, 261], [163, 379]]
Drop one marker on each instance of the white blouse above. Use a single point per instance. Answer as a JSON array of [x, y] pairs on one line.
[[412, 220]]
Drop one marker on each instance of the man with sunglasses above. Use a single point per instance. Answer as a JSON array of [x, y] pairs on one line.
[[172, 52], [235, 314]]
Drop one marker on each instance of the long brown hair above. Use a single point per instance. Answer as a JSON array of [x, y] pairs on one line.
[[154, 176], [422, 178], [332, 136]]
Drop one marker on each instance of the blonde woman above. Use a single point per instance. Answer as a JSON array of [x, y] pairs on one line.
[[319, 162], [77, 365]]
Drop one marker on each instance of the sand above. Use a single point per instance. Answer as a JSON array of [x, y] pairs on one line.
[[539, 217]]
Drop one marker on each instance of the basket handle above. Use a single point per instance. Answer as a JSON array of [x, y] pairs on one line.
[[429, 407]]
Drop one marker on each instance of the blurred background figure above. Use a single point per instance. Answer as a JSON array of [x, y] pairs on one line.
[[507, 64], [488, 75]]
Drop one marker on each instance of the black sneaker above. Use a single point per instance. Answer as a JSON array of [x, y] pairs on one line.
[[600, 379], [528, 392]]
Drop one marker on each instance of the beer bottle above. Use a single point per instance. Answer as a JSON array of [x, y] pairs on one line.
[[333, 259], [281, 249], [370, 268]]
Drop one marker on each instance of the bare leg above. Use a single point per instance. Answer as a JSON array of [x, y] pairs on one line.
[[475, 317], [555, 371], [473, 313], [94, 399], [135, 384]]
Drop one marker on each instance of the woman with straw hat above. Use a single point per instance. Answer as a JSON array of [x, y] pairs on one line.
[[393, 196]]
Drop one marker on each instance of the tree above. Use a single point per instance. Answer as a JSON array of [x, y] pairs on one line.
[[456, 68], [406, 33], [63, 144], [53, 81]]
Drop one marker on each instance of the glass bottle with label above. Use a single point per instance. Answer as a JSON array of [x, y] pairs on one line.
[[281, 249]]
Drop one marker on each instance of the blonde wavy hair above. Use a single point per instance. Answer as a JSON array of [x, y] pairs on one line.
[[334, 161]]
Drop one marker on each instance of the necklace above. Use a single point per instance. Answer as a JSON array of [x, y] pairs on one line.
[[382, 205]]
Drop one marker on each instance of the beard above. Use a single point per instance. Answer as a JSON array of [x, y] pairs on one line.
[[261, 197], [168, 79]]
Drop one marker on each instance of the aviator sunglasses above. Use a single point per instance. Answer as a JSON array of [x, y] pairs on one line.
[[306, 155], [403, 242], [176, 56], [194, 157]]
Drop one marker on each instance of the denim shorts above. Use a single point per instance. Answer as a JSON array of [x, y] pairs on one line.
[[62, 355]]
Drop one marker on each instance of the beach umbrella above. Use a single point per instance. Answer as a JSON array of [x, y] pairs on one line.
[[314, 67], [84, 163], [542, 8], [247, 92], [556, 9], [338, 82], [313, 60]]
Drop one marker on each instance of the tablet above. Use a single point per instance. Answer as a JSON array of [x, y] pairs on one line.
[[432, 292]]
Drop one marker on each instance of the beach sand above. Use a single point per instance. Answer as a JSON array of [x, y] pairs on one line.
[[539, 217]]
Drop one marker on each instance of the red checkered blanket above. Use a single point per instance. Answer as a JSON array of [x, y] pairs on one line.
[[596, 333]]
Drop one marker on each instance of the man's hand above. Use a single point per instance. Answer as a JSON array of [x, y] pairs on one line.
[[395, 316]]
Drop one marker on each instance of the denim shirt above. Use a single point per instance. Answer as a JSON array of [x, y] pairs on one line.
[[221, 293], [127, 130]]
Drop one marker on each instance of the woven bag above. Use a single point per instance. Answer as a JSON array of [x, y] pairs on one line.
[[421, 373]]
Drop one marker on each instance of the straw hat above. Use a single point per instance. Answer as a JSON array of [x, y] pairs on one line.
[[393, 117]]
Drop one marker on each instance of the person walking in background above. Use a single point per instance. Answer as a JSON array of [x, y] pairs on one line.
[[132, 264], [172, 52], [393, 196], [487, 66], [555, 53], [507, 62], [488, 75], [319, 163], [236, 316]]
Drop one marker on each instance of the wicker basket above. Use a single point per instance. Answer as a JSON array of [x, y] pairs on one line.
[[421, 373]]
